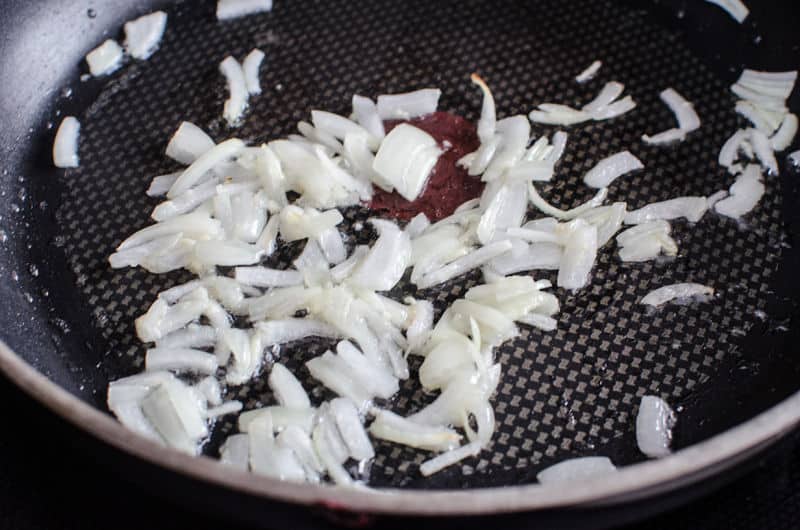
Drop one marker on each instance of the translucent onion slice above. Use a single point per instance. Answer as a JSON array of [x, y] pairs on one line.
[[228, 9], [238, 94], [609, 169], [580, 252], [405, 159], [251, 66], [65, 146], [143, 35], [188, 143], [105, 59], [678, 291], [180, 360], [438, 463], [287, 389], [366, 114], [745, 194], [576, 469], [408, 105], [692, 208], [393, 428], [654, 423], [590, 72]]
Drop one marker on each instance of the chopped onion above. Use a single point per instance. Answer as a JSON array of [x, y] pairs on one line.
[[784, 137], [188, 143], [65, 146], [180, 360], [551, 114], [607, 219], [143, 35], [174, 412], [515, 133], [229, 407], [590, 72], [503, 211], [405, 159], [542, 322], [434, 465], [677, 291], [610, 92], [235, 452], [488, 121], [386, 262], [210, 389], [185, 202], [228, 9], [286, 330], [735, 8], [366, 113], [205, 163], [193, 336], [576, 469], [523, 257], [654, 423], [745, 194], [580, 252], [251, 66], [282, 418], [646, 241], [287, 389], [692, 208], [473, 260], [105, 59], [263, 277], [687, 118], [548, 209], [409, 105], [393, 428], [236, 103], [609, 169], [345, 414], [161, 184]]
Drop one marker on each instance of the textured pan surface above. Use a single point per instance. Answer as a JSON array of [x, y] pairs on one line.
[[570, 392]]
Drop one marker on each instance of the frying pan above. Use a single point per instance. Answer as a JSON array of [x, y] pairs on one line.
[[730, 366]]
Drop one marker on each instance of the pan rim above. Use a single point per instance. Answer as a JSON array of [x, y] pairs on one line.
[[634, 482]]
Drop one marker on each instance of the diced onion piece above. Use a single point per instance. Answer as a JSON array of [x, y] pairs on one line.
[[436, 464], [205, 163], [735, 8], [180, 360], [542, 322], [345, 414], [210, 389], [287, 389], [692, 208], [286, 330], [488, 121], [576, 469], [282, 417], [405, 159], [327, 458], [387, 260], [678, 291], [688, 120], [299, 441], [185, 202], [784, 137], [588, 74], [523, 257], [229, 407], [730, 150], [609, 169], [618, 108], [235, 452], [339, 127], [228, 9], [238, 94], [473, 260], [192, 336], [580, 252], [65, 146], [551, 114], [393, 428], [548, 209], [251, 66], [654, 423], [417, 225], [189, 143], [505, 210], [175, 413], [745, 194], [230, 253], [264, 277], [409, 105], [161, 184], [335, 374], [665, 137], [105, 59], [298, 223], [366, 114], [143, 35], [124, 400], [515, 133], [610, 92], [607, 219]]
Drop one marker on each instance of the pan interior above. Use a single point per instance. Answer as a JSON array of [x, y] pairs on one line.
[[566, 393]]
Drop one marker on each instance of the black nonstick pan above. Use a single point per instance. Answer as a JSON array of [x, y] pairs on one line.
[[730, 367]]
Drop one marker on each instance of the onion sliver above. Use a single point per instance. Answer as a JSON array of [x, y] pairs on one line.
[[654, 423], [228, 9], [678, 291], [65, 146], [576, 469], [611, 168]]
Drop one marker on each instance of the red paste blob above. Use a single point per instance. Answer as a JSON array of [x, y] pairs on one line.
[[449, 185]]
